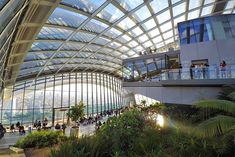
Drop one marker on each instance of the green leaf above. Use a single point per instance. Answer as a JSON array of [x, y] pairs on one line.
[[215, 126], [223, 105]]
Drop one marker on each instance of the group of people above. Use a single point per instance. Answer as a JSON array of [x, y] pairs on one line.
[[58, 127], [19, 127], [196, 71], [40, 125]]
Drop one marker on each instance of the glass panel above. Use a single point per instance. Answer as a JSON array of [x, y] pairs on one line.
[[154, 32], [110, 13], [208, 1], [194, 4], [84, 37], [178, 20], [163, 16], [130, 4], [149, 24], [143, 38], [159, 5], [168, 35], [193, 14], [157, 39], [53, 33], [84, 5], [207, 10], [95, 26], [112, 33], [40, 46], [127, 23], [66, 18], [142, 14], [136, 32], [166, 26], [179, 9]]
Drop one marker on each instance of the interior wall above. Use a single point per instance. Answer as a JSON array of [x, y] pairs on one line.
[[176, 95]]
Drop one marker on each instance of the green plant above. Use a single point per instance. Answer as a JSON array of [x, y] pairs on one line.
[[40, 139], [77, 111], [143, 102]]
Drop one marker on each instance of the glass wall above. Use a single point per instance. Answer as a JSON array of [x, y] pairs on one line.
[[207, 29], [149, 67], [38, 99]]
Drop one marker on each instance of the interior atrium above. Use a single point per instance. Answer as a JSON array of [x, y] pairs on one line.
[[111, 55]]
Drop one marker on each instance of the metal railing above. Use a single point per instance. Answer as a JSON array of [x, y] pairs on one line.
[[189, 74]]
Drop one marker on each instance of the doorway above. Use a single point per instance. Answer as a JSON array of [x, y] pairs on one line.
[[59, 115]]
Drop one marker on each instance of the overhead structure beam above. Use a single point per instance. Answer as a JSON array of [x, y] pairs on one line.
[[35, 17]]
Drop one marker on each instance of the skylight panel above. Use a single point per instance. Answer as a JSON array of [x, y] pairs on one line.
[[230, 5], [142, 14], [207, 10], [174, 1], [178, 20], [166, 26], [137, 31], [159, 45], [193, 14], [149, 24], [158, 5], [130, 53], [89, 6], [133, 44], [130, 4], [113, 33], [208, 1], [157, 39], [194, 4], [66, 18], [143, 38], [164, 16], [110, 13], [168, 35], [95, 26], [127, 23], [179, 9], [154, 32], [147, 44], [169, 41]]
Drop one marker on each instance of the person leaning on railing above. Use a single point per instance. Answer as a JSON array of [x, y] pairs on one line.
[[223, 69]]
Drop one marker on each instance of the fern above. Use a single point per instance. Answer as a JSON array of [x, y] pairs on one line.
[[216, 126], [223, 105]]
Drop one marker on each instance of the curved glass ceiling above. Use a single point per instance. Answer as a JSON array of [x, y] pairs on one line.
[[96, 35]]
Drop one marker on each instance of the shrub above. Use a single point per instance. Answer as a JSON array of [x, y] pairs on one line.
[[40, 139]]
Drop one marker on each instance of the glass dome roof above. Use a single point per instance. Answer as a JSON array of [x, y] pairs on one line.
[[95, 35]]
